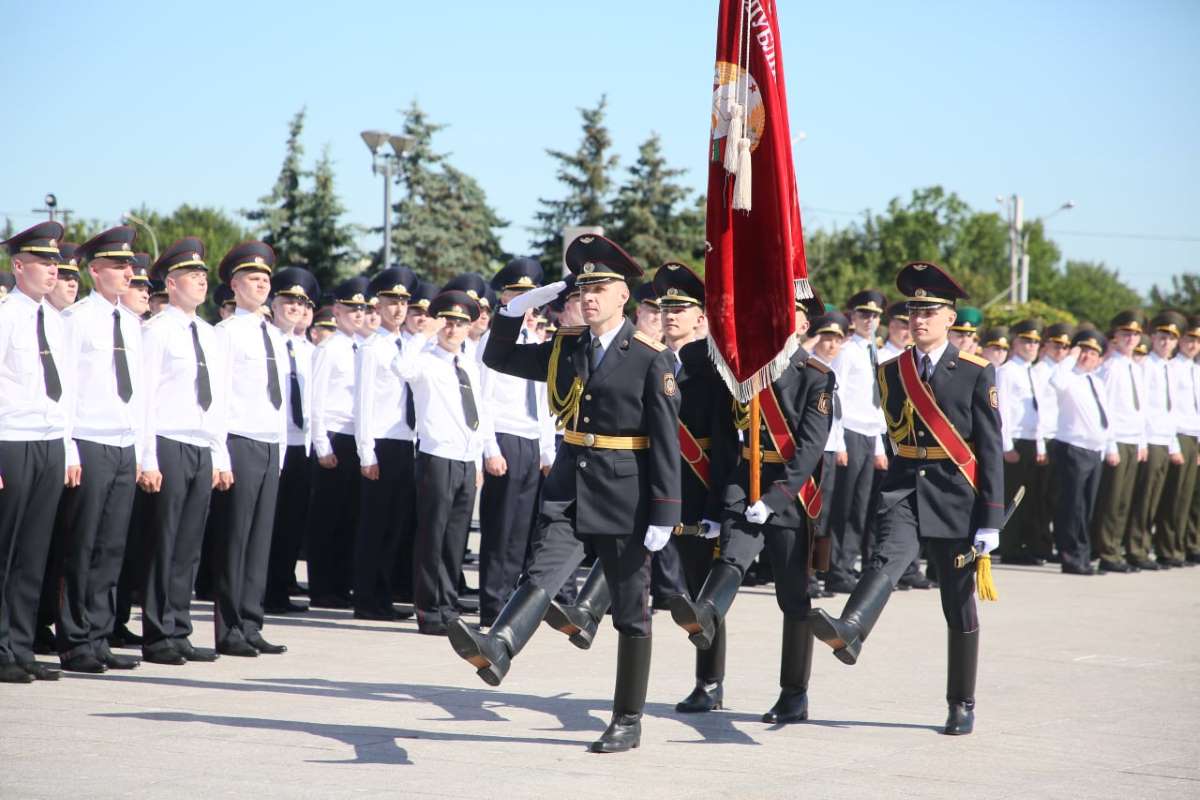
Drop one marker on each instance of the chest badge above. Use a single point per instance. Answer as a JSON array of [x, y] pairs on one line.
[[824, 403], [670, 388], [993, 397]]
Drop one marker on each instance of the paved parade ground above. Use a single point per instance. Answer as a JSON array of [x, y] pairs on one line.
[[1088, 688]]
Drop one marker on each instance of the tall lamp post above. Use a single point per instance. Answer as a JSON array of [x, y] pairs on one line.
[[385, 163], [129, 216], [1018, 244]]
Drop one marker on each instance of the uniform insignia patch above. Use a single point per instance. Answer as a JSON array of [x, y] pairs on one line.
[[824, 403], [669, 386], [994, 397]]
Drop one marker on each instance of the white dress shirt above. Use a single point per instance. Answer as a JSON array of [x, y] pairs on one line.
[[26, 413], [857, 379], [1047, 400], [302, 349], [836, 441], [170, 373], [1126, 420], [441, 426], [1079, 421], [97, 411], [1019, 388], [889, 351], [506, 396], [1162, 425], [379, 396], [334, 374], [249, 410], [1185, 395]]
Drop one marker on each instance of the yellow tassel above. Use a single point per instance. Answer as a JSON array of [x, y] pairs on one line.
[[983, 578]]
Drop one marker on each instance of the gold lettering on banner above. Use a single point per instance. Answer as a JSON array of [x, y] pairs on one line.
[[765, 38]]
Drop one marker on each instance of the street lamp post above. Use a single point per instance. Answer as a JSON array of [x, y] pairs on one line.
[[385, 164], [129, 216], [1018, 244]]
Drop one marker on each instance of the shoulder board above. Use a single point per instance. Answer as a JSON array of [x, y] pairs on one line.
[[571, 330], [818, 366], [646, 340], [971, 358]]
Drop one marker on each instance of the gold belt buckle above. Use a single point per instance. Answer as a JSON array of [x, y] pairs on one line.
[[921, 452], [589, 439]]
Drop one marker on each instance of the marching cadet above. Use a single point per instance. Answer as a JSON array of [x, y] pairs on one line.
[[36, 385], [1181, 493], [1022, 394], [385, 433], [796, 420], [995, 345], [452, 428], [292, 291], [1164, 450], [647, 317], [183, 452], [856, 365], [898, 337], [66, 288], [1123, 380], [1084, 435], [333, 510], [322, 326], [107, 411], [942, 417], [515, 459], [254, 372], [615, 479], [1056, 341], [964, 333]]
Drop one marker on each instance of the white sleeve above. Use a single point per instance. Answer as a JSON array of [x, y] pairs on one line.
[[321, 369], [364, 404], [222, 372], [73, 334], [406, 364]]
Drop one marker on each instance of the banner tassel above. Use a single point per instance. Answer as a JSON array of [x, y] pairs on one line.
[[983, 578], [734, 136], [741, 178]]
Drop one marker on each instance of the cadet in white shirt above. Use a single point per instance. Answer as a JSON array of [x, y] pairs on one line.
[[1021, 394], [255, 371], [384, 429], [1084, 435], [66, 288], [862, 415], [516, 458], [1127, 448], [452, 429], [1179, 512], [333, 509], [1056, 340], [35, 389], [294, 290], [1164, 450], [108, 411], [899, 338], [183, 450]]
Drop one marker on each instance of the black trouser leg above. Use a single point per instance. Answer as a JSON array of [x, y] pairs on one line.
[[133, 564], [291, 510], [1079, 474], [851, 498], [626, 563], [380, 525], [957, 585], [507, 512], [1019, 530], [556, 553], [666, 574], [52, 582], [333, 521], [445, 497], [33, 481]]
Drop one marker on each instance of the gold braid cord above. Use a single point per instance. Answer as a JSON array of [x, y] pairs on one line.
[[899, 430], [566, 409], [741, 415]]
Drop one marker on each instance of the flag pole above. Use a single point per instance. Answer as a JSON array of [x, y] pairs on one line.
[[755, 450]]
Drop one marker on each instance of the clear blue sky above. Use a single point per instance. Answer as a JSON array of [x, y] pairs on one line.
[[117, 104]]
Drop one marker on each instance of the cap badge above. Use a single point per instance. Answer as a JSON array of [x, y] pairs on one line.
[[125, 246], [259, 260], [52, 243], [471, 293], [919, 267], [298, 289], [525, 280], [459, 310], [919, 293], [589, 267], [358, 298], [672, 292], [587, 239]]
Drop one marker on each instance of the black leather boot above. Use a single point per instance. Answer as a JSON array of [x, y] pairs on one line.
[[701, 617], [709, 694], [581, 620], [491, 654], [633, 673], [795, 667], [960, 682], [847, 633]]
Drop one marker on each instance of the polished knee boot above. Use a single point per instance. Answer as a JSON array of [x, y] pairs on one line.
[[581, 620], [847, 633], [960, 682], [701, 617], [795, 667], [491, 654], [709, 694], [633, 673]]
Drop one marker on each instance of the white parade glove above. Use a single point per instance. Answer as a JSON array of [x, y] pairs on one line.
[[711, 529], [986, 540], [657, 537], [758, 513], [532, 299]]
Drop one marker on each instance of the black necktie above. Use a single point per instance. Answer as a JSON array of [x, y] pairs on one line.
[[597, 354], [1133, 385], [124, 384], [294, 388], [49, 371], [837, 406], [1167, 381], [530, 389], [272, 371], [875, 396], [1099, 405], [926, 370], [203, 389], [410, 407], [470, 413], [1032, 389]]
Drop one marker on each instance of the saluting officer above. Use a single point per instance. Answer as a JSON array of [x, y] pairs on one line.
[[945, 487], [385, 432], [293, 292], [36, 386], [333, 510], [254, 375], [615, 480], [108, 411], [183, 450]]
